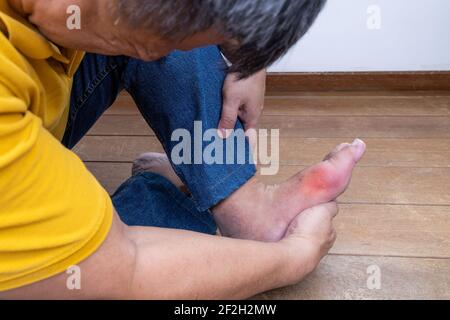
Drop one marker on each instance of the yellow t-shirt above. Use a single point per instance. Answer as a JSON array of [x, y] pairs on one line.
[[53, 212]]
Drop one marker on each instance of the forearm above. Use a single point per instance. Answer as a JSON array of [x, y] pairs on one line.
[[173, 264]]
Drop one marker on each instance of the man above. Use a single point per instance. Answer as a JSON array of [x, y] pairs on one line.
[[53, 213]]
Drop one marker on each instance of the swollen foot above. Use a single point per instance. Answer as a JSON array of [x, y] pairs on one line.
[[260, 212]]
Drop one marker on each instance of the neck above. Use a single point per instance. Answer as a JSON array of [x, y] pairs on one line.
[[98, 32]]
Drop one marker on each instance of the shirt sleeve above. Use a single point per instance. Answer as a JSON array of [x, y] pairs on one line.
[[53, 212]]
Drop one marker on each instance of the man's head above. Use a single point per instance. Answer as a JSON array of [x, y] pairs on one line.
[[252, 33]]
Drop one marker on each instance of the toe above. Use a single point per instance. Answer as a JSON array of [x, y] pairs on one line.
[[329, 179], [148, 162], [336, 150], [348, 155], [157, 163], [359, 148]]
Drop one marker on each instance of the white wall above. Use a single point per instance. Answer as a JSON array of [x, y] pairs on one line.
[[413, 35]]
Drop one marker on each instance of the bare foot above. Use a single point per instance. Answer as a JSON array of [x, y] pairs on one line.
[[260, 212], [157, 163]]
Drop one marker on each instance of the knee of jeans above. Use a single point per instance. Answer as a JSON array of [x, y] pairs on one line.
[[196, 65], [183, 82]]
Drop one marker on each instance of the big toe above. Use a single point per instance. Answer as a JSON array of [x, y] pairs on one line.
[[327, 180], [346, 156]]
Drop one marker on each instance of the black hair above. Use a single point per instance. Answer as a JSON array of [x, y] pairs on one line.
[[259, 31]]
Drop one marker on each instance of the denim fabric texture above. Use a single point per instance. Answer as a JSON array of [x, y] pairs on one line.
[[171, 93]]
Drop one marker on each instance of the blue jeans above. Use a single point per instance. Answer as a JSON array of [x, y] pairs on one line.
[[171, 93]]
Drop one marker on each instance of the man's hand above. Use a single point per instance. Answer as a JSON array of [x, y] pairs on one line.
[[312, 234], [243, 99]]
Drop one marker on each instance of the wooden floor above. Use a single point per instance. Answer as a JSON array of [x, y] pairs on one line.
[[396, 213]]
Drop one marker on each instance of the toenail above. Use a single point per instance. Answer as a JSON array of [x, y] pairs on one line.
[[360, 147], [358, 143]]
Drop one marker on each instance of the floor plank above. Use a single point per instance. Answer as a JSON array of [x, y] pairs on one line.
[[307, 127], [345, 277], [110, 175], [115, 148], [293, 151], [380, 94], [412, 231], [358, 106], [363, 127], [340, 105]]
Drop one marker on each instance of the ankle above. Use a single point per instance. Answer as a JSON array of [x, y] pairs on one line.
[[239, 200]]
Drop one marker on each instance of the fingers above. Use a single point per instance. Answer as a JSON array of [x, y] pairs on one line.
[[243, 99], [333, 236], [253, 141], [334, 209], [331, 208], [228, 118], [250, 117]]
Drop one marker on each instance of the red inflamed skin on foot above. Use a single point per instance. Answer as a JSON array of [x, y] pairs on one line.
[[261, 212], [320, 182]]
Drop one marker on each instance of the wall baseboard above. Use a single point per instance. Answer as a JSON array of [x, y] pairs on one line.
[[359, 81]]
